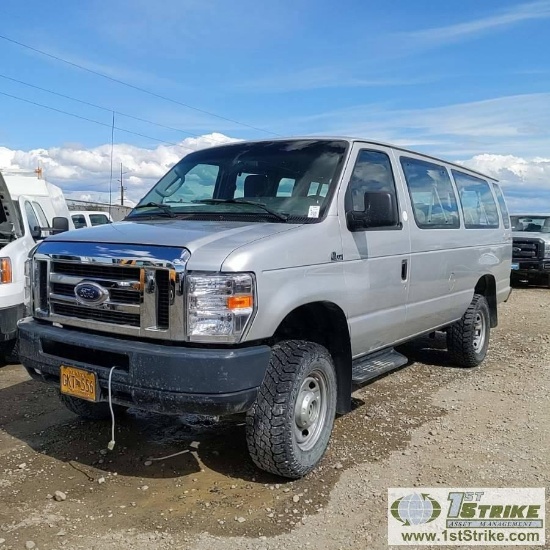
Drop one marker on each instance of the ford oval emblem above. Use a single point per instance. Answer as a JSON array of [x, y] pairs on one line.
[[90, 294]]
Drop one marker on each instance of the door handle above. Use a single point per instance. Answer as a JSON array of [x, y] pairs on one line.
[[404, 269]]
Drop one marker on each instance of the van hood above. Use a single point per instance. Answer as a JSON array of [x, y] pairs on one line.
[[209, 242]]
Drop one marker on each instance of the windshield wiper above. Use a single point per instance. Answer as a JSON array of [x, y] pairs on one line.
[[167, 210], [281, 215]]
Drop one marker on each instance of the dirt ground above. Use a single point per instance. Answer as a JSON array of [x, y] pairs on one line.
[[188, 482]]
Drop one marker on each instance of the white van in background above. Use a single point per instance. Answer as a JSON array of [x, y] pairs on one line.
[[30, 210], [90, 218]]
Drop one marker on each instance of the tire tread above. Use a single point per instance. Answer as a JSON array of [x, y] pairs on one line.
[[267, 438]]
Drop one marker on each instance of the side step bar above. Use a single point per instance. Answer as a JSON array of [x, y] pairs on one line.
[[372, 366]]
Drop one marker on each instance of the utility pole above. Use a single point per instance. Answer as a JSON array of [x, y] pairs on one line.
[[121, 185]]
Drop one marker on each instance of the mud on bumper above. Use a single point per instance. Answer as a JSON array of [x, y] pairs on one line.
[[159, 377]]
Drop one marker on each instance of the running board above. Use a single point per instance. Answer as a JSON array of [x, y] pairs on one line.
[[372, 366]]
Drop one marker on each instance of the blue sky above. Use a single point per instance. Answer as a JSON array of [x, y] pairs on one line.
[[466, 80]]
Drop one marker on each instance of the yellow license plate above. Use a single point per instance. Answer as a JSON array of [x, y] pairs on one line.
[[78, 383]]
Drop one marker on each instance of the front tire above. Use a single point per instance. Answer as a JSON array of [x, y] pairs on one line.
[[88, 410], [288, 427], [468, 339]]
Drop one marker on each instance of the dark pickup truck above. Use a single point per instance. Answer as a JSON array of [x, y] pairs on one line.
[[531, 249]]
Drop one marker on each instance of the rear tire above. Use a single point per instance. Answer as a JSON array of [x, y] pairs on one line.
[[468, 339], [288, 427], [88, 410]]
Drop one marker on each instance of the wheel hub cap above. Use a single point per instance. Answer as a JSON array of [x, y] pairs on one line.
[[479, 332], [310, 410]]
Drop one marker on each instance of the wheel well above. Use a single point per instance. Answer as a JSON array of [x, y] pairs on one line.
[[486, 286], [323, 323]]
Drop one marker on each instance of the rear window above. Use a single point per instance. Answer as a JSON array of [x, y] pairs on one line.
[[478, 205]]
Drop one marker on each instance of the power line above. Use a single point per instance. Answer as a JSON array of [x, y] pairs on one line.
[[138, 88], [85, 118], [89, 104]]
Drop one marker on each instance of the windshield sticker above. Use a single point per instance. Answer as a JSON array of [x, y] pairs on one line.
[[313, 212]]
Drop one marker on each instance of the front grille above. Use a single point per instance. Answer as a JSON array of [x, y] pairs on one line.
[[527, 250], [90, 271], [134, 290], [116, 295], [106, 316], [163, 298], [43, 285]]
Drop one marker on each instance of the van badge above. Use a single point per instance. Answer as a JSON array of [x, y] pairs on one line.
[[334, 257], [90, 294]]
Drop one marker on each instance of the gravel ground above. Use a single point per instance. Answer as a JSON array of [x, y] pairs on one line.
[[188, 482]]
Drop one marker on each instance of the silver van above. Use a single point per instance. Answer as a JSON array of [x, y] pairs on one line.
[[269, 278]]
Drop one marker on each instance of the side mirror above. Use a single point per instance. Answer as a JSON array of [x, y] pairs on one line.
[[380, 211], [36, 232], [60, 224]]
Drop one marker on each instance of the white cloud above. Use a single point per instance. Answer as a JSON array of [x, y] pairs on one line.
[[454, 33], [316, 78], [515, 125], [525, 181], [86, 172]]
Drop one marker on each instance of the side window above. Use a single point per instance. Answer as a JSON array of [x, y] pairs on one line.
[[372, 173], [502, 206], [432, 194], [41, 218], [79, 220], [98, 219], [32, 218], [478, 204]]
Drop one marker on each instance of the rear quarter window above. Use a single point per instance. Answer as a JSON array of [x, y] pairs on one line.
[[502, 205], [478, 204]]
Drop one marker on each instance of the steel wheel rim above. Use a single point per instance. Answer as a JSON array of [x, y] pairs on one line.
[[310, 410], [479, 332]]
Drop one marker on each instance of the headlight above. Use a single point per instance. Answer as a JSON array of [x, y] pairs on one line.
[[219, 307], [5, 271]]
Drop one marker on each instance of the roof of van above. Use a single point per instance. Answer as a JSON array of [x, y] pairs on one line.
[[360, 140], [22, 184]]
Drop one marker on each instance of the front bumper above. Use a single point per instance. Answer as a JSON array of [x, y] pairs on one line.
[[8, 321], [159, 377], [530, 269]]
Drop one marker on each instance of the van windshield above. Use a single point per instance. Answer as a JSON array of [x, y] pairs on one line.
[[264, 181], [531, 224]]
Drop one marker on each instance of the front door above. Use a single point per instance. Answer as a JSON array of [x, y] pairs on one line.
[[376, 260]]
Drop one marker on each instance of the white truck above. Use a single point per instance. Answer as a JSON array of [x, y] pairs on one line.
[[30, 210]]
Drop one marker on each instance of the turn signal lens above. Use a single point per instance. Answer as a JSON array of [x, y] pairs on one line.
[[239, 302], [5, 270]]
